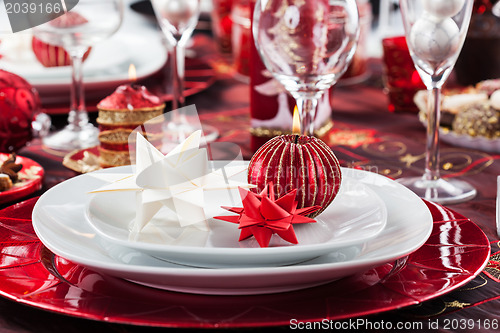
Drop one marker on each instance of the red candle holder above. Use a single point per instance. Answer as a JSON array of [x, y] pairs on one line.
[[241, 16], [401, 79], [222, 24]]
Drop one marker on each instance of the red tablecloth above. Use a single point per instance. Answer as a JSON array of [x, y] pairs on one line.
[[365, 135]]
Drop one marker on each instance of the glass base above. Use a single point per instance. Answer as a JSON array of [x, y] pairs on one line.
[[71, 138], [173, 134], [445, 191], [210, 133]]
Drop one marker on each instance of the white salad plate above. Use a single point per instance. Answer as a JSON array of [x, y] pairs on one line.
[[356, 215], [60, 223]]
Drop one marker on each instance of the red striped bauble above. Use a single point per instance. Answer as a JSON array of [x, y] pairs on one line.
[[51, 55], [297, 162]]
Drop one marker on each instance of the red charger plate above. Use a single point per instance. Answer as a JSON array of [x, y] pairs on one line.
[[30, 179], [454, 254]]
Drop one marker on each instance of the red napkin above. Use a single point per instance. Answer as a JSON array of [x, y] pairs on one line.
[[262, 215]]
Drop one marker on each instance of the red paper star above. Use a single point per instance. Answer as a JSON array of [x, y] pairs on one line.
[[262, 216]]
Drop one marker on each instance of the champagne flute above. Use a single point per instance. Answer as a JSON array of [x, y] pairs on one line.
[[178, 19], [307, 46], [435, 33], [87, 23]]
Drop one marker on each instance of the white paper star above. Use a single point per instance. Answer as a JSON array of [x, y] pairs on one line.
[[177, 180]]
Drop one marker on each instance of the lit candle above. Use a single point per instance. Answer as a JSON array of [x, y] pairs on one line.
[[299, 162], [296, 124], [132, 73]]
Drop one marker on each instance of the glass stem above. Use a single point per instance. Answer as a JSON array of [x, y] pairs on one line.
[[432, 148], [78, 116], [177, 58], [307, 105]]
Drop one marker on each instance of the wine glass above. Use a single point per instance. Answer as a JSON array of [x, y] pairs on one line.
[[307, 46], [88, 22], [435, 32], [178, 19]]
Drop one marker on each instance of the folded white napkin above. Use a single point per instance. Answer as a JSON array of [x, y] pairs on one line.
[[177, 180]]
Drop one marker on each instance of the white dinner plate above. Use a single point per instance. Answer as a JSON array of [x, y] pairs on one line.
[[61, 225], [356, 215]]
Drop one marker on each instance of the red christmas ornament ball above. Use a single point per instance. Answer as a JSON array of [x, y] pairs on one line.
[[18, 103], [297, 162]]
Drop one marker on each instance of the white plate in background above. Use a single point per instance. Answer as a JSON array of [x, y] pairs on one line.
[[136, 42]]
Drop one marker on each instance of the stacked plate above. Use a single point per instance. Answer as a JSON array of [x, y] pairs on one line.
[[373, 220]]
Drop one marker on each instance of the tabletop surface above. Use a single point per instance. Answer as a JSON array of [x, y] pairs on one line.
[[365, 135]]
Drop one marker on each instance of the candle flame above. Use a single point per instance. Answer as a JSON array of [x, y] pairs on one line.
[[296, 121], [132, 74]]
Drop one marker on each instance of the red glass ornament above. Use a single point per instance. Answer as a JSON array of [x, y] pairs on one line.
[[18, 103], [297, 162]]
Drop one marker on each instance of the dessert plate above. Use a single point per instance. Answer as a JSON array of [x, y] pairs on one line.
[[463, 140], [356, 215], [30, 179], [60, 224], [467, 141]]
